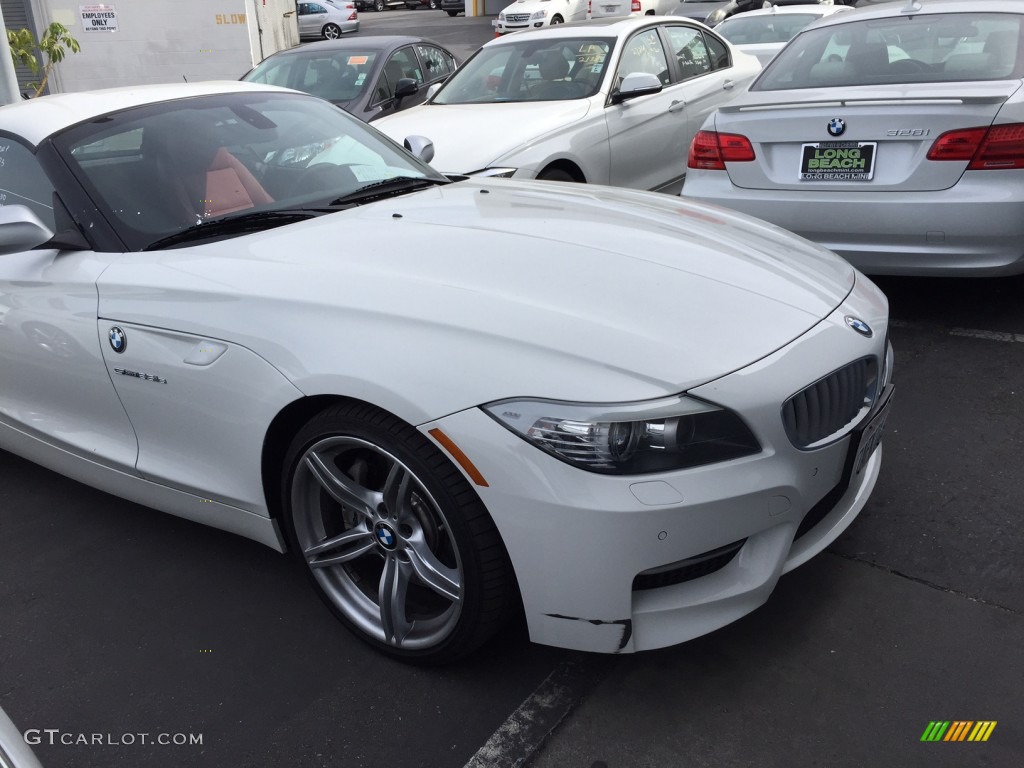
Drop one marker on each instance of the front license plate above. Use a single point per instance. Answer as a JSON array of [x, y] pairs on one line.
[[871, 437], [838, 161]]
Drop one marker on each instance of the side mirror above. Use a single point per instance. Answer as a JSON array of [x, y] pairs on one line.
[[636, 84], [421, 147], [433, 89], [21, 230], [405, 86]]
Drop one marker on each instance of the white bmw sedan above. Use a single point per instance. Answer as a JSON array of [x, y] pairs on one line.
[[611, 101], [621, 413], [892, 134]]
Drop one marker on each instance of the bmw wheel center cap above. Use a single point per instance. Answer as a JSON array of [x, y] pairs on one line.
[[385, 536], [836, 126], [118, 339], [859, 326]]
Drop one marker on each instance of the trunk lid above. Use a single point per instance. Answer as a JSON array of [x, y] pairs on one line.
[[880, 136]]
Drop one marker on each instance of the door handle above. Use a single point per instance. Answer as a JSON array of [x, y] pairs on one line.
[[677, 105], [728, 84]]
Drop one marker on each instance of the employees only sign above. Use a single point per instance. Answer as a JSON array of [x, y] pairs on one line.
[[98, 18]]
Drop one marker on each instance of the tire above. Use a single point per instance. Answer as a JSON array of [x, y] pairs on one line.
[[453, 14], [556, 20], [555, 174], [379, 5], [377, 512], [331, 32]]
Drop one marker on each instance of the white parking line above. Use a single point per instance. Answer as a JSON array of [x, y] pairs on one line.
[[969, 333], [526, 729], [987, 335]]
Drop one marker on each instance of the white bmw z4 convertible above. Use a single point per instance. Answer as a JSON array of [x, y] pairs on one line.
[[623, 414]]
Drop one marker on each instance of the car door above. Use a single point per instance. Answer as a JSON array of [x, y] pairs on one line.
[[705, 74], [54, 385], [311, 19], [646, 134]]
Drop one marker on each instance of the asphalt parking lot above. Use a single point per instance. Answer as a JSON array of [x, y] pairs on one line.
[[120, 621]]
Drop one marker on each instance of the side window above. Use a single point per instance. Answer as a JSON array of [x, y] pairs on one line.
[[278, 73], [22, 181], [304, 9], [691, 55], [643, 53], [402, 63], [436, 63], [718, 53]]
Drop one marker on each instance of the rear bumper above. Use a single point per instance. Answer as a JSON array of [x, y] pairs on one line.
[[973, 228]]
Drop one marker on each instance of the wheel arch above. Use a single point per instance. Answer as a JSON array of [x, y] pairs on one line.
[[568, 166], [277, 439]]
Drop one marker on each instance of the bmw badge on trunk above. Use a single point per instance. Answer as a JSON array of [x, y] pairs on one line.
[[836, 126]]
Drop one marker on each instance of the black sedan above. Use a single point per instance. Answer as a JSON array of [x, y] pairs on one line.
[[368, 76]]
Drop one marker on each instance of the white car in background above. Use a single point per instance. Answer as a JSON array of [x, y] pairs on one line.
[[603, 9], [618, 414], [533, 14], [327, 19], [765, 32], [892, 135], [611, 101]]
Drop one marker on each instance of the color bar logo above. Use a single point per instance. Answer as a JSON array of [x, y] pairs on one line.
[[958, 730]]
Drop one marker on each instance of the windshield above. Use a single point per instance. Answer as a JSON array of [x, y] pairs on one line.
[[338, 76], [530, 70], [924, 48], [764, 28], [158, 170]]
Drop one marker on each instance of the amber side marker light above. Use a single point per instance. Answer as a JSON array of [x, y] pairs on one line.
[[457, 454]]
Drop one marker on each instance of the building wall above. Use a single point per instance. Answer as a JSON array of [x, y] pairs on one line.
[[159, 41], [18, 15]]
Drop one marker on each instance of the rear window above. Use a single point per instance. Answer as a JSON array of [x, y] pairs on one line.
[[924, 48], [764, 28]]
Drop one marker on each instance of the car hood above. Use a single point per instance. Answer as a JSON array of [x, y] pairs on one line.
[[481, 290], [457, 129]]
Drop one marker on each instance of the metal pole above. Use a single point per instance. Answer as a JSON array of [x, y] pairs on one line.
[[9, 93]]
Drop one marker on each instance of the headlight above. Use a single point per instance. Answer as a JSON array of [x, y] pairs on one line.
[[538, 15], [501, 16], [629, 438], [716, 16], [502, 173]]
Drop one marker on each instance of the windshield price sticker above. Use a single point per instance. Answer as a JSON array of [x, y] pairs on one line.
[[838, 161]]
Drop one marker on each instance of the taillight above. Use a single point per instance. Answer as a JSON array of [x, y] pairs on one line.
[[353, 16], [710, 150], [635, 6], [985, 149]]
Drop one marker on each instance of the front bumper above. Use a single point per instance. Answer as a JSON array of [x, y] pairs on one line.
[[975, 227], [579, 541]]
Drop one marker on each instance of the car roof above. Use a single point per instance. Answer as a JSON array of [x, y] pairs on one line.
[[612, 26], [785, 10], [376, 42], [35, 119], [893, 8]]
